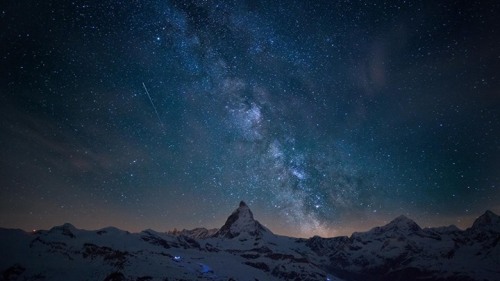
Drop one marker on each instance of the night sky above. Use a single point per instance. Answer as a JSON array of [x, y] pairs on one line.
[[325, 117]]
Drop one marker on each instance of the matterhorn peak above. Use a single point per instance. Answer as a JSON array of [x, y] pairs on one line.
[[240, 222]]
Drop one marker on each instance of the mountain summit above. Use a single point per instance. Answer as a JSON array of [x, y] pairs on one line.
[[241, 222], [488, 221], [402, 223]]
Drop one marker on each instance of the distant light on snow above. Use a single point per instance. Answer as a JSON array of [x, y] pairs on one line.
[[177, 258], [205, 268]]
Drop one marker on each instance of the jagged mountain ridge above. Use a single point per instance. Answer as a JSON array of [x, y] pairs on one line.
[[243, 249], [196, 233]]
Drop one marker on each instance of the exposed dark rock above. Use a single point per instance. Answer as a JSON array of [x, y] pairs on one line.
[[115, 276], [259, 265], [13, 273]]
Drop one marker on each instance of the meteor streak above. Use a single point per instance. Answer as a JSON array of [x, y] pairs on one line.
[[154, 107]]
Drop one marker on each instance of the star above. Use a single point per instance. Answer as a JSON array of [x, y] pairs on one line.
[[328, 117]]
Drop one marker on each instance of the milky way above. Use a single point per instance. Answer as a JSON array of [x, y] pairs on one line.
[[325, 117]]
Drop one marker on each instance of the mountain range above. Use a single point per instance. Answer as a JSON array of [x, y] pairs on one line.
[[244, 249]]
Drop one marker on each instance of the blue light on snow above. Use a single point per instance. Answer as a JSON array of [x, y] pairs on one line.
[[205, 268]]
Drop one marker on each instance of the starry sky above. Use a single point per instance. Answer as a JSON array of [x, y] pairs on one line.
[[326, 117]]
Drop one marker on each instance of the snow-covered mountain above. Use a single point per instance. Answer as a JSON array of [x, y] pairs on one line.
[[243, 249], [241, 222], [197, 233]]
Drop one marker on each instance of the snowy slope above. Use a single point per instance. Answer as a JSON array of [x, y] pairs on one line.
[[243, 249], [401, 250]]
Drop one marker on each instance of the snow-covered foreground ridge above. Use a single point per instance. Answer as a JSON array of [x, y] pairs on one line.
[[243, 249]]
